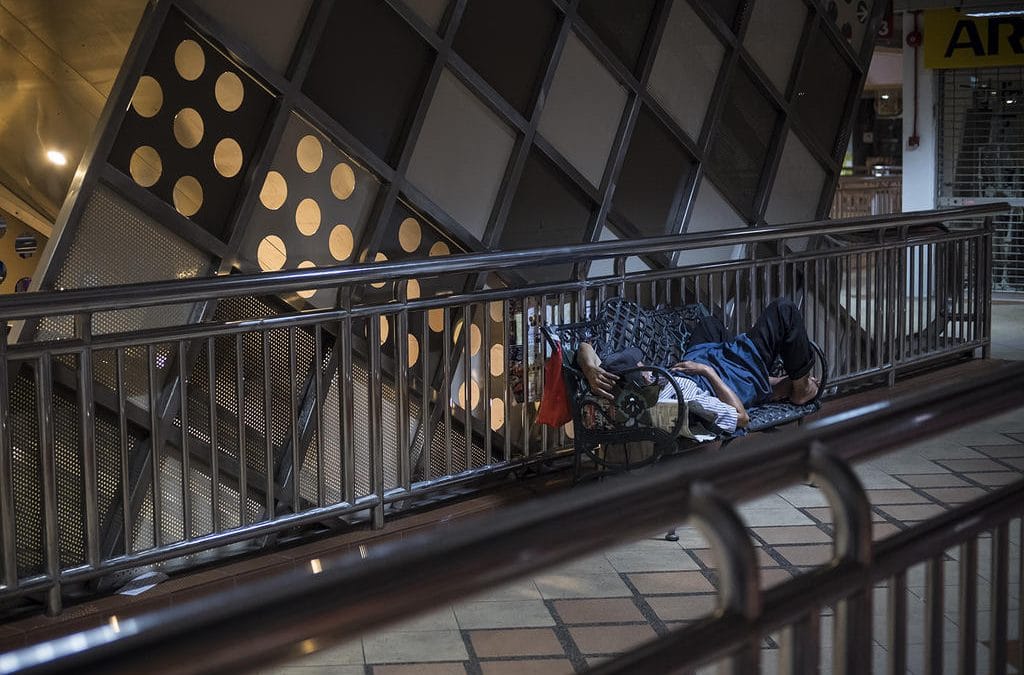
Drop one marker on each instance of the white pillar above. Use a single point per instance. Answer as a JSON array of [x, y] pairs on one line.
[[919, 164]]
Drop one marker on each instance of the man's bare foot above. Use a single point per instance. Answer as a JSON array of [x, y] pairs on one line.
[[804, 390]]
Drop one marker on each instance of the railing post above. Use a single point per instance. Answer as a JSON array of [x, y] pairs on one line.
[[852, 516], [985, 285], [739, 590], [51, 534], [87, 438], [7, 529], [376, 422]]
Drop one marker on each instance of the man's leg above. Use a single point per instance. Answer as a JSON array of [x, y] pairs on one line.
[[780, 332]]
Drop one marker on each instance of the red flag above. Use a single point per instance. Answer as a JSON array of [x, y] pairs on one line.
[[554, 404]]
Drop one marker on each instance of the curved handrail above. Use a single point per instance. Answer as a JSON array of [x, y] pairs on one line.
[[215, 634], [104, 298]]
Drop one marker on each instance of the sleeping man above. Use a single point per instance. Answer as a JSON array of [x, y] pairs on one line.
[[720, 377]]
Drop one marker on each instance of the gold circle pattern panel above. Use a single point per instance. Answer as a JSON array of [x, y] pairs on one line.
[[307, 217], [343, 181], [307, 294], [435, 319], [227, 157], [146, 166], [188, 128], [308, 176], [409, 235], [412, 290], [439, 249], [496, 309], [272, 253], [274, 192], [188, 196], [189, 60], [474, 389], [380, 257], [148, 97], [190, 97], [309, 153], [229, 91], [385, 329]]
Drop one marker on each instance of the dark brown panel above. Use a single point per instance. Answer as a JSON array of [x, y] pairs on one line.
[[740, 146], [508, 43], [368, 73], [655, 168], [620, 25], [822, 89]]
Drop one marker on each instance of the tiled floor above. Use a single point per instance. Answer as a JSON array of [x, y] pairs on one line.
[[576, 615]]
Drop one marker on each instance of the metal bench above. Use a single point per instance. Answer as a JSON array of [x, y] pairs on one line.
[[620, 435]]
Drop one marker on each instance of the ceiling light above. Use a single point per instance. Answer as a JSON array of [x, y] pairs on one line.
[[885, 97], [56, 157]]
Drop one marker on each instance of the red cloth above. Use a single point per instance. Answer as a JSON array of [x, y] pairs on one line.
[[554, 404]]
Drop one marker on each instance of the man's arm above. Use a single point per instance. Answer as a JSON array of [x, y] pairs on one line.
[[600, 380], [722, 390]]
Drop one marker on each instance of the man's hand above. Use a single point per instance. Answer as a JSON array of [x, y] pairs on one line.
[[692, 368], [601, 381]]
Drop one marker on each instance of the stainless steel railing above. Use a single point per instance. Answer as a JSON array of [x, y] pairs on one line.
[[131, 439], [303, 610]]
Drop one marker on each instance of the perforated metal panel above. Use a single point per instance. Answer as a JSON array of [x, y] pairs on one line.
[[115, 243]]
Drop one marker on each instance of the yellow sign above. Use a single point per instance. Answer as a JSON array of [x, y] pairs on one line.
[[954, 40]]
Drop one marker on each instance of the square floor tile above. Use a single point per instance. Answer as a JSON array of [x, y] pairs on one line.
[[926, 480], [415, 647], [804, 495], [515, 642], [524, 589], [505, 614], [555, 586], [527, 667], [683, 607], [421, 669], [1015, 450], [958, 495], [896, 497], [818, 554], [648, 583], [598, 610], [440, 619], [755, 517], [651, 556], [912, 512], [801, 534], [994, 478], [350, 653], [962, 465], [610, 639]]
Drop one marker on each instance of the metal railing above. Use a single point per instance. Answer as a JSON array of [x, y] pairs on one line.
[[308, 610], [867, 196], [264, 417]]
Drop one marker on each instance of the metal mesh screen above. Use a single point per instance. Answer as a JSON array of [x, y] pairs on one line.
[[981, 156], [115, 243]]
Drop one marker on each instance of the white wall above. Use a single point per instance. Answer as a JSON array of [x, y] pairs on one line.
[[919, 167]]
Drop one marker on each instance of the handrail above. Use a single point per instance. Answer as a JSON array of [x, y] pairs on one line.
[[105, 298], [215, 634]]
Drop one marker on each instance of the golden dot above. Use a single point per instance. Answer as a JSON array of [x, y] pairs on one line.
[[229, 91], [409, 235], [385, 329], [148, 97], [307, 217], [309, 153], [188, 127], [343, 181], [412, 289], [414, 350], [305, 265], [227, 157], [145, 166], [570, 430], [340, 243], [497, 414], [188, 196], [380, 257], [475, 339], [438, 249], [474, 394], [435, 319], [497, 311], [275, 191], [271, 253], [497, 360], [189, 60]]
